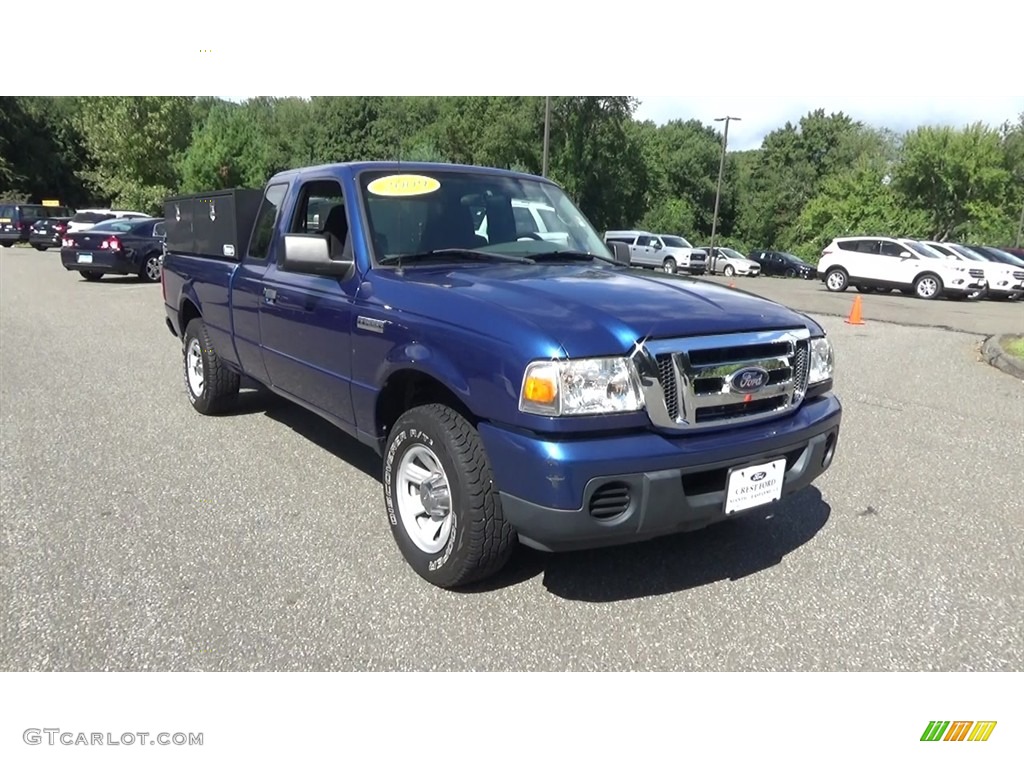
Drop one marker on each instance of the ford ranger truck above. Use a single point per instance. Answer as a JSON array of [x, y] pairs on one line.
[[518, 391]]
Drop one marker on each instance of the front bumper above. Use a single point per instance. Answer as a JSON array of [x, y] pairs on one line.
[[548, 489], [106, 262], [1004, 288], [968, 285]]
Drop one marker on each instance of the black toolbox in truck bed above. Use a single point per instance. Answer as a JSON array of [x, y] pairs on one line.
[[216, 224]]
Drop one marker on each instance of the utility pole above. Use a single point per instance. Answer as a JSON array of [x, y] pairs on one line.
[[547, 134], [1020, 228], [718, 189]]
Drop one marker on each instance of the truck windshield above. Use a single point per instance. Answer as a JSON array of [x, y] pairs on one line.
[[420, 212], [676, 242]]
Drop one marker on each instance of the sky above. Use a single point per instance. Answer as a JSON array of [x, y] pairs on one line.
[[760, 116]]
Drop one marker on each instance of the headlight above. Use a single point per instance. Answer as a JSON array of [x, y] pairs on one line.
[[580, 387], [822, 361]]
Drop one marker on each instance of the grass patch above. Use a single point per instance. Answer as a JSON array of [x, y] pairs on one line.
[[1015, 347]]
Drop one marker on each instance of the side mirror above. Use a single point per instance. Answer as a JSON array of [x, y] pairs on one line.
[[620, 251], [906, 255], [656, 246], [312, 254]]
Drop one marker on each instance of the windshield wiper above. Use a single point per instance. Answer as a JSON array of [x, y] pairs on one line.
[[566, 256], [461, 253]]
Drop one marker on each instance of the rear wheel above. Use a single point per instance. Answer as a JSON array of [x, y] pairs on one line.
[[837, 280], [91, 275], [39, 247], [212, 388], [150, 270]]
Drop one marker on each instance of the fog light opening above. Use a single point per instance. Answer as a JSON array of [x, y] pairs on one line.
[[830, 450]]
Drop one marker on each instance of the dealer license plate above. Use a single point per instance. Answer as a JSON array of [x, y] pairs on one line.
[[85, 258], [753, 486]]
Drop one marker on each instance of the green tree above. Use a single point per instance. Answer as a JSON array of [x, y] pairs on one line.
[[858, 201], [135, 144], [958, 178]]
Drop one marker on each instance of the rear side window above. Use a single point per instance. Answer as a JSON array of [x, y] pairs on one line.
[[266, 219], [89, 217], [6, 213]]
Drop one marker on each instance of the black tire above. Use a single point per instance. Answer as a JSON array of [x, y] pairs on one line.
[[729, 270], [91, 275], [923, 283], [5, 245], [150, 269], [836, 280], [39, 247], [669, 265], [790, 272], [479, 541], [218, 391]]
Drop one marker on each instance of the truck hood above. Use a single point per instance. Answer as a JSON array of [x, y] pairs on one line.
[[587, 310]]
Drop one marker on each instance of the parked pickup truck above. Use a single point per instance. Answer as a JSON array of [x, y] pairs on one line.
[[517, 390]]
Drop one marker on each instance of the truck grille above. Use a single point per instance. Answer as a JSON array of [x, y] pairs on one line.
[[977, 273], [1018, 275], [715, 381]]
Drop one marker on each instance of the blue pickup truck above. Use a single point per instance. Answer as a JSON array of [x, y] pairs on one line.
[[519, 389]]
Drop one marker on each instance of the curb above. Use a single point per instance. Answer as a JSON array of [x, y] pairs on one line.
[[994, 355]]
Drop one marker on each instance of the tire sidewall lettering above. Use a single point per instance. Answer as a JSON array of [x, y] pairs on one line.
[[400, 443]]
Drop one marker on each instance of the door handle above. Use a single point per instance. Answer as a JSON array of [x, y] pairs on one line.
[[269, 295]]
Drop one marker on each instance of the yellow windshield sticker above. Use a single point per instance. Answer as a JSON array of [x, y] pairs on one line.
[[403, 185]]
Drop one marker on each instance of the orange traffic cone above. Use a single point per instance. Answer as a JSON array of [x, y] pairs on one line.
[[854, 318]]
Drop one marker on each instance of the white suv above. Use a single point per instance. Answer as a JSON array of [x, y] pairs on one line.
[[1004, 281], [887, 263], [532, 218]]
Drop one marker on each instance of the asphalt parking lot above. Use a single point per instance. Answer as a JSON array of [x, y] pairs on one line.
[[138, 535]]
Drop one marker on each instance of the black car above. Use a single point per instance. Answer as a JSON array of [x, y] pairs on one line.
[[117, 247], [784, 264], [16, 220], [48, 233]]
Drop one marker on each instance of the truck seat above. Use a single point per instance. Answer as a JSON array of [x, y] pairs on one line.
[[452, 228], [336, 228]]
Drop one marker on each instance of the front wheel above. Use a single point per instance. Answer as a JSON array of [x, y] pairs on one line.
[[928, 287], [669, 265], [212, 388], [441, 502], [729, 270]]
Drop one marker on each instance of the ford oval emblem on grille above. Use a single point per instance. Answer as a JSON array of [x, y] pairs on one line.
[[758, 476], [746, 381]]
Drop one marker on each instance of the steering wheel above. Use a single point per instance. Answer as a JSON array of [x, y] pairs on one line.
[[530, 236]]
